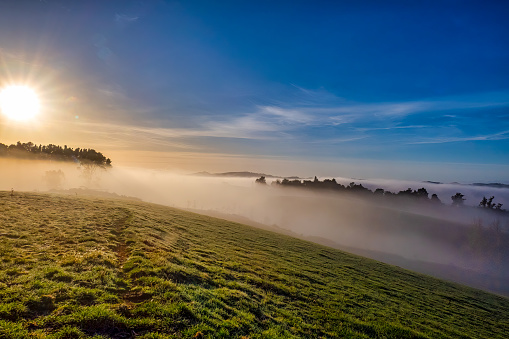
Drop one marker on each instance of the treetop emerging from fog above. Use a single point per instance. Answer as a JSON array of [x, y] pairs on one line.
[[30, 150]]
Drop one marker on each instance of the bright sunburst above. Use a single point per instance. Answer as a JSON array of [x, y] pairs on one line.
[[19, 103]]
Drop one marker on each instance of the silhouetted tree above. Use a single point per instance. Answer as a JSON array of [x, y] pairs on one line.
[[88, 172], [435, 199], [54, 152], [421, 193], [276, 183], [357, 188], [261, 180], [407, 193], [488, 203], [457, 199]]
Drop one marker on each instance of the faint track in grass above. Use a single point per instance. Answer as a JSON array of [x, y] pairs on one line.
[[122, 252]]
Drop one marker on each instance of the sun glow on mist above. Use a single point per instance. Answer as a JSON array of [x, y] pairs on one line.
[[19, 103]]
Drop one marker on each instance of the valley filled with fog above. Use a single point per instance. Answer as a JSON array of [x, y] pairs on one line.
[[464, 244]]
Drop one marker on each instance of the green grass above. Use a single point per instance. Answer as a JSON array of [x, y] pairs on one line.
[[77, 267]]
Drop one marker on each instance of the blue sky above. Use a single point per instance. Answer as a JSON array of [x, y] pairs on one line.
[[412, 83]]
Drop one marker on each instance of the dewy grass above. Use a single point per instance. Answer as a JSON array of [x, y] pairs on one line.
[[78, 267]]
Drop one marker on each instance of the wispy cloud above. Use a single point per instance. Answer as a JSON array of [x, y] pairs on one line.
[[287, 115], [365, 129], [378, 109], [245, 127], [242, 128], [402, 109], [332, 141], [125, 19], [439, 140], [337, 108]]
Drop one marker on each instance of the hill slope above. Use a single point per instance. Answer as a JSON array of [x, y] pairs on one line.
[[77, 267]]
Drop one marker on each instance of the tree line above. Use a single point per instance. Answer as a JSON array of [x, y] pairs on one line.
[[30, 150], [420, 194]]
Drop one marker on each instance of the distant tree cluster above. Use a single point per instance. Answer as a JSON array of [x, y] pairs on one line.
[[333, 185], [457, 199], [261, 180], [420, 194], [488, 203], [30, 150]]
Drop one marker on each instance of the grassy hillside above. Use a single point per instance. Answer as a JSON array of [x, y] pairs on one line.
[[74, 267]]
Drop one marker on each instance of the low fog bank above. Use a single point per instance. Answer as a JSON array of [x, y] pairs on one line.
[[473, 194], [466, 239]]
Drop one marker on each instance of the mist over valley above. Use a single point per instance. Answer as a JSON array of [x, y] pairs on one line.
[[420, 236]]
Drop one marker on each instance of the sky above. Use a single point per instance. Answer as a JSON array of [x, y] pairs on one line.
[[415, 90]]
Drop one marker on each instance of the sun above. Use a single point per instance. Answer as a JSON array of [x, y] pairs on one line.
[[19, 103]]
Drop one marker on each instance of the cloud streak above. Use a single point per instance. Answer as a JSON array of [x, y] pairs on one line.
[[125, 19], [488, 137], [346, 112]]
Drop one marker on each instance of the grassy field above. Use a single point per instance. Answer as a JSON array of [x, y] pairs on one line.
[[78, 267]]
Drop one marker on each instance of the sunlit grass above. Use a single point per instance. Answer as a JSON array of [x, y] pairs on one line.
[[78, 267]]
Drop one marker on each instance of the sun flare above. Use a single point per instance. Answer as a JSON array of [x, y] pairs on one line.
[[19, 103]]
